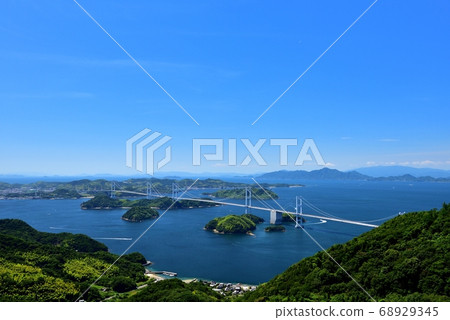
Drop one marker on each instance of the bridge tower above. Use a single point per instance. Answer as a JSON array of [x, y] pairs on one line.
[[298, 212], [175, 190], [113, 190], [248, 199], [149, 190]]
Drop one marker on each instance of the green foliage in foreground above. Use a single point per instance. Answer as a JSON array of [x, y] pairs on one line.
[[40, 266], [405, 259], [138, 214], [265, 194], [123, 284], [174, 290]]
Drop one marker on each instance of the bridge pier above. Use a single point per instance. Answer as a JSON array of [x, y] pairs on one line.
[[276, 217]]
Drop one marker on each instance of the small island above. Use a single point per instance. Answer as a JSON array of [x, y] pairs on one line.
[[234, 224], [275, 229], [264, 194], [139, 214]]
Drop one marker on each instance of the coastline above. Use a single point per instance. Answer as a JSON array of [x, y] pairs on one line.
[[223, 233], [234, 288], [151, 272]]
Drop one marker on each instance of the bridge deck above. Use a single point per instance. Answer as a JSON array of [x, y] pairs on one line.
[[263, 209], [304, 214]]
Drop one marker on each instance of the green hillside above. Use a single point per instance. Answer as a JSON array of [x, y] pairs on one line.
[[405, 259], [40, 266]]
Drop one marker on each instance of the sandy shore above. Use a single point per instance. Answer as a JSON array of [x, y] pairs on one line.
[[154, 276]]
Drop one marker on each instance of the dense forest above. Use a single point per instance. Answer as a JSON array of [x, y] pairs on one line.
[[405, 259]]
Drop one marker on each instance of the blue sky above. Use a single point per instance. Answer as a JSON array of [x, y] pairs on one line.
[[70, 98]]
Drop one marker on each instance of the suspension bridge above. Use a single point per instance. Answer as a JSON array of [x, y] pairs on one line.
[[275, 214]]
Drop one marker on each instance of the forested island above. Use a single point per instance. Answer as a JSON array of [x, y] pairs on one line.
[[102, 202], [139, 214], [264, 194], [232, 224]]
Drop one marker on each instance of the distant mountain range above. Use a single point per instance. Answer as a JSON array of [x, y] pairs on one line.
[[387, 171], [322, 174], [333, 174], [378, 173]]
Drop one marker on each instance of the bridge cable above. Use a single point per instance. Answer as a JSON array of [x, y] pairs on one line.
[[315, 208]]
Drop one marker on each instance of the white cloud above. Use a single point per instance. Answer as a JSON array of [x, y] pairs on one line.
[[427, 163]]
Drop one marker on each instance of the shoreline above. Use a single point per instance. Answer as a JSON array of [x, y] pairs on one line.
[[150, 273], [249, 233]]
